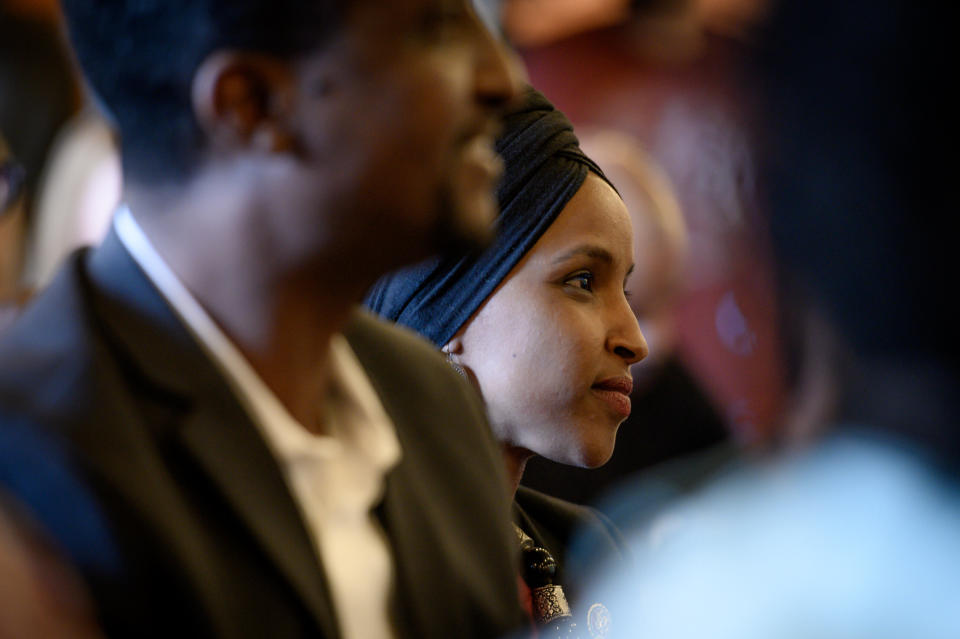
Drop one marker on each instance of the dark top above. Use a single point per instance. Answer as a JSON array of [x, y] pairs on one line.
[[579, 538]]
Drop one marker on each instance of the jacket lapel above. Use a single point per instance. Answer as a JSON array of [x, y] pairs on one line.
[[441, 581], [230, 450], [419, 589], [216, 430]]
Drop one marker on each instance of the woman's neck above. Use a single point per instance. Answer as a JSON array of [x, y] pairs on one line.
[[516, 459]]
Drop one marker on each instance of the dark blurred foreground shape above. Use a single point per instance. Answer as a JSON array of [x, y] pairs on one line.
[[859, 535]]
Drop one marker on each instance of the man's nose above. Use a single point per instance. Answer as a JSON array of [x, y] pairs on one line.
[[500, 74]]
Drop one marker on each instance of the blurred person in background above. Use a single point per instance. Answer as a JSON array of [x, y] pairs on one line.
[[60, 155], [258, 457], [38, 94], [81, 188], [540, 322], [11, 232], [859, 534]]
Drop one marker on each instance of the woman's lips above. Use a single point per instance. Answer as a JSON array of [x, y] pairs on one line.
[[615, 392]]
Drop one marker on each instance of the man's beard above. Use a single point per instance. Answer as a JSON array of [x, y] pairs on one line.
[[455, 235]]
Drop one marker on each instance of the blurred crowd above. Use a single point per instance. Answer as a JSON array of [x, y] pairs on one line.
[[762, 190]]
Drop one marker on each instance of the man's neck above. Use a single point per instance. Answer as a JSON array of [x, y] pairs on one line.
[[281, 322]]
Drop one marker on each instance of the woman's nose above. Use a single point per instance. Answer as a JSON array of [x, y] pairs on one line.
[[626, 340]]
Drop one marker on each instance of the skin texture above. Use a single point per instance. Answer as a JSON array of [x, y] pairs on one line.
[[559, 324], [324, 173]]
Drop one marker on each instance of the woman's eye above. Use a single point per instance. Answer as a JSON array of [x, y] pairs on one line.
[[582, 280]]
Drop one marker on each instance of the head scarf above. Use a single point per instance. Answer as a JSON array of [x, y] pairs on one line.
[[543, 168]]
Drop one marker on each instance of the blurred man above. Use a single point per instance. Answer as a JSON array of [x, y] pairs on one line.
[[268, 461]]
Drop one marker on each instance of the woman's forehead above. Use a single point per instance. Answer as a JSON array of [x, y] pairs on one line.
[[595, 220]]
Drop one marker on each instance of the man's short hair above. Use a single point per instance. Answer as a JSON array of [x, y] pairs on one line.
[[140, 56]]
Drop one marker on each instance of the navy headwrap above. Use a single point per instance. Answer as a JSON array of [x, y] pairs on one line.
[[543, 168]]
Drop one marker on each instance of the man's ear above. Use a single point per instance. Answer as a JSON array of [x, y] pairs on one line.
[[244, 100]]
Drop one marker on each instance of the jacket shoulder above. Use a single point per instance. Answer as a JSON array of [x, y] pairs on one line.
[[368, 333], [409, 371]]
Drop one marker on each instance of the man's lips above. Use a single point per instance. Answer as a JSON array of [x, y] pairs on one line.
[[615, 392], [480, 157], [489, 128], [479, 164]]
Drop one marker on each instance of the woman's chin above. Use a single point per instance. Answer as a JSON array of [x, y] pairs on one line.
[[588, 448], [598, 459], [591, 454]]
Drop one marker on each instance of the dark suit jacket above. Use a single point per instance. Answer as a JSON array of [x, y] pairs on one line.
[[129, 447]]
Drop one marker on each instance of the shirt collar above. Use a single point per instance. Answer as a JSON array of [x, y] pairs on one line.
[[357, 417]]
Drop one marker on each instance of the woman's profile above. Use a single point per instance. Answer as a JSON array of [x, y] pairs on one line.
[[540, 321]]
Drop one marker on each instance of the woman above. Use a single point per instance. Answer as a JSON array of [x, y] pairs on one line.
[[539, 321]]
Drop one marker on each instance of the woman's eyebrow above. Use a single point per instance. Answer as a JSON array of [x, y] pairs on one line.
[[590, 250]]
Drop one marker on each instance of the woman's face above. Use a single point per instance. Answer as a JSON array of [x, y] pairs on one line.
[[551, 348]]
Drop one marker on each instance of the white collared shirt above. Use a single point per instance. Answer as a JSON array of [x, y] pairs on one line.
[[335, 478]]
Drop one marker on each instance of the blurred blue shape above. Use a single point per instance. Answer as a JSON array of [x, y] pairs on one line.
[[859, 538], [36, 472]]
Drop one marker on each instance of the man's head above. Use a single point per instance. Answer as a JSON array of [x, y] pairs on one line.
[[140, 58], [366, 128]]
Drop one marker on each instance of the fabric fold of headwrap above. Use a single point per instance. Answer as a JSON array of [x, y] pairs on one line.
[[543, 169]]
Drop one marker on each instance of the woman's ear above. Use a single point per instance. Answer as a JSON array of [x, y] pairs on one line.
[[243, 100], [454, 346], [454, 352]]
